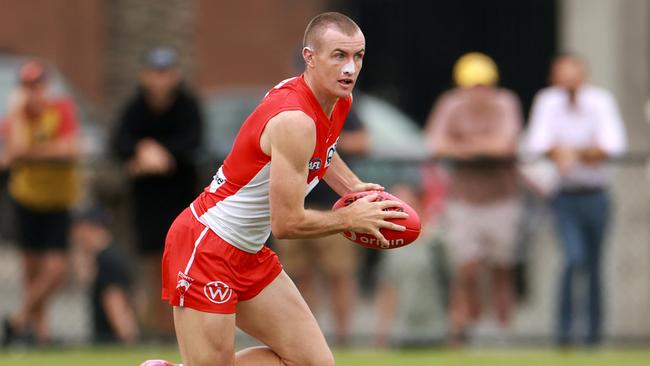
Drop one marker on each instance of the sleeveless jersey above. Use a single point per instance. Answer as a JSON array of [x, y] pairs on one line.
[[236, 204]]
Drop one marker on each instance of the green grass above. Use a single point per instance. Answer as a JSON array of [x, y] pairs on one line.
[[496, 358], [133, 356]]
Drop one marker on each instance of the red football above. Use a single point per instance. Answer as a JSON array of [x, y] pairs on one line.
[[395, 238]]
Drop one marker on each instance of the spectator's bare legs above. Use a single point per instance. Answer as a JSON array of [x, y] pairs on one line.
[[464, 303], [44, 274], [343, 293], [473, 292], [19, 321], [336, 258], [503, 294], [162, 311], [154, 313], [386, 305]]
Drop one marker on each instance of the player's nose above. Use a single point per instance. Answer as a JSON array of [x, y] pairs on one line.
[[349, 68]]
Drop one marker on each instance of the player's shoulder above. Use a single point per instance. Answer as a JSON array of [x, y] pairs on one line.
[[292, 120], [285, 88], [291, 131], [285, 93]]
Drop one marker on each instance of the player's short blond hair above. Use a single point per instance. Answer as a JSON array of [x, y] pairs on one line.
[[321, 22]]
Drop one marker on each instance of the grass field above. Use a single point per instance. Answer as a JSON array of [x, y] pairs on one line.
[[133, 356]]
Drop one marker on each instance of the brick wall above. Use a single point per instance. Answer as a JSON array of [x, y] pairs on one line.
[[69, 33], [98, 44], [137, 26], [249, 42]]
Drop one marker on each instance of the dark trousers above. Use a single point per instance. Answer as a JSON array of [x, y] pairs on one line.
[[581, 220]]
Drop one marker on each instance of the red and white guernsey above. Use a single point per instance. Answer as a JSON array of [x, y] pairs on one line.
[[236, 204]]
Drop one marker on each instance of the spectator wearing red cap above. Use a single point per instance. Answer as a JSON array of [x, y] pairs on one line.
[[41, 153]]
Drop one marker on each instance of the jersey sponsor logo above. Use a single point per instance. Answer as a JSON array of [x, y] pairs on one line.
[[217, 292], [315, 164], [330, 153], [218, 180]]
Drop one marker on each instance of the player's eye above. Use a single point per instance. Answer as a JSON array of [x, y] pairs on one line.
[[358, 56], [339, 56]]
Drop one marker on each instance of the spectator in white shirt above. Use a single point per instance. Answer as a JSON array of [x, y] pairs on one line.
[[578, 126]]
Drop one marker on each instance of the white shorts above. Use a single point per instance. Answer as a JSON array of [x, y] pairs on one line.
[[484, 233]]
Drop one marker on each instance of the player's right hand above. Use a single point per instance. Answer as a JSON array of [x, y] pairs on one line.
[[366, 215]]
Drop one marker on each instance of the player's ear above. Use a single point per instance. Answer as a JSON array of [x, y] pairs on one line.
[[308, 56]]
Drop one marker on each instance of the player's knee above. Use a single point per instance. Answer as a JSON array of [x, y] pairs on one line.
[[214, 353]]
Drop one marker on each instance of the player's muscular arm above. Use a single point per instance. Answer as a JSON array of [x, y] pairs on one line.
[[289, 138]]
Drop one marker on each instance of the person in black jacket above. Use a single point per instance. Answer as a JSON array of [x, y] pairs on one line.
[[157, 137]]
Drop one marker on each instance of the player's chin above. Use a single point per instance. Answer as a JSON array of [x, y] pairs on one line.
[[344, 90]]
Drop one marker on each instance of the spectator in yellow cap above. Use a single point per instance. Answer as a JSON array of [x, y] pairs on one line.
[[476, 128], [474, 69]]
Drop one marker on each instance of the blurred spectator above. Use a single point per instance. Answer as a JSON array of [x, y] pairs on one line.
[[578, 126], [112, 311], [476, 127], [41, 135], [334, 256], [406, 296], [157, 136]]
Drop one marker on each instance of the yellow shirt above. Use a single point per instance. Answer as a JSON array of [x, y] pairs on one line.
[[44, 185]]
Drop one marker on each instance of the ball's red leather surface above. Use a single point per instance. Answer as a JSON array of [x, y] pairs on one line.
[[396, 239]]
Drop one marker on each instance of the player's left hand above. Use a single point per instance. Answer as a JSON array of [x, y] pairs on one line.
[[362, 187]]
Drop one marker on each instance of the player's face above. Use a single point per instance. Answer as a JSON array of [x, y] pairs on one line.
[[338, 61]]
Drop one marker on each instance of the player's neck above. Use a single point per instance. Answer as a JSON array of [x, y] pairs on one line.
[[326, 101]]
